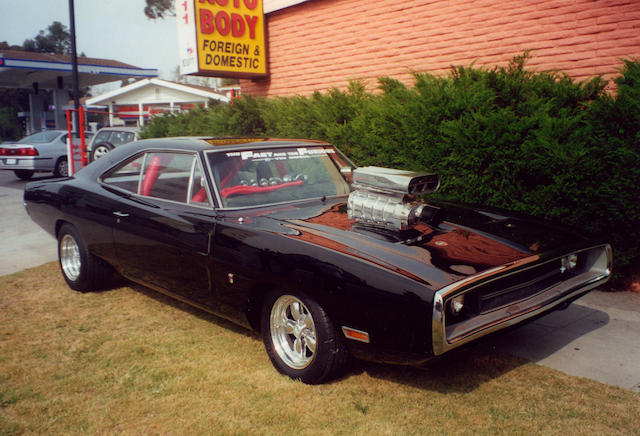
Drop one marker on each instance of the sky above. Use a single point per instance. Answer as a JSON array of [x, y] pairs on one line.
[[107, 29]]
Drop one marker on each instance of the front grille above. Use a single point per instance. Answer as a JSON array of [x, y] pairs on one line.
[[513, 288], [516, 287]]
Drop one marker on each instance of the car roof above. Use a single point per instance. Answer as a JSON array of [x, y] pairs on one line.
[[119, 129], [49, 130], [219, 143]]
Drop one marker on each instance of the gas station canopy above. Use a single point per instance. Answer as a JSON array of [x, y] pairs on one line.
[[21, 69], [36, 71]]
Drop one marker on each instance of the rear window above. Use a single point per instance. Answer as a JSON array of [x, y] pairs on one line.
[[102, 136], [40, 137], [119, 138]]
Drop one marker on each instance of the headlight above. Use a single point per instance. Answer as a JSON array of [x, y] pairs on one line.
[[456, 305], [569, 262]]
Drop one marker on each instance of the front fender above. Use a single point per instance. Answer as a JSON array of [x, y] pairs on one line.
[[393, 309]]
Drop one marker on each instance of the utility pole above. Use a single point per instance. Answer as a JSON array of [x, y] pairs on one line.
[[74, 62]]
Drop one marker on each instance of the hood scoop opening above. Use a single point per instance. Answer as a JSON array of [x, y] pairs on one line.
[[387, 198]]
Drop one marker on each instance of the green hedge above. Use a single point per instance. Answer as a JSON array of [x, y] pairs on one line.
[[537, 143]]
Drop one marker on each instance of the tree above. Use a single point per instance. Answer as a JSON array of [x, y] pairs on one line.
[[10, 126], [4, 45], [57, 40], [159, 9]]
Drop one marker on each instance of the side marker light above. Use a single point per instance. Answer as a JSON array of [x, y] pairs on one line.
[[356, 335]]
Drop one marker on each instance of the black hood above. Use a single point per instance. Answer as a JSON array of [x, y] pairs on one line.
[[467, 240]]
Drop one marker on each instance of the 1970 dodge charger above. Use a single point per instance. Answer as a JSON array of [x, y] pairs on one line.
[[326, 260]]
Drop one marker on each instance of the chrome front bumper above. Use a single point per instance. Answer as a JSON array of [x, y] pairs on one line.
[[595, 272]]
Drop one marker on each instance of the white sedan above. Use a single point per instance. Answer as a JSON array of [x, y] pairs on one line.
[[44, 151]]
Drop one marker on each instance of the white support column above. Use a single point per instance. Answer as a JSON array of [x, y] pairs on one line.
[[60, 98], [171, 107], [140, 115], [36, 108], [111, 114]]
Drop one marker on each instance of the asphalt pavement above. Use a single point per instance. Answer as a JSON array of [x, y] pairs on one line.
[[596, 337]]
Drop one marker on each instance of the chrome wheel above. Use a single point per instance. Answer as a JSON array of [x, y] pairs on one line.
[[62, 168], [293, 332], [82, 271], [70, 257]]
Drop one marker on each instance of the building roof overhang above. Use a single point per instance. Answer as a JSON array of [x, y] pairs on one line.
[[196, 91], [20, 69]]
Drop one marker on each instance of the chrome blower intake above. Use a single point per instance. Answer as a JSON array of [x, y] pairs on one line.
[[386, 197]]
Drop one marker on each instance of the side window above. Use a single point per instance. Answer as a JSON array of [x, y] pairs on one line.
[[168, 176], [127, 176], [119, 138], [63, 139], [174, 177], [102, 136], [197, 190]]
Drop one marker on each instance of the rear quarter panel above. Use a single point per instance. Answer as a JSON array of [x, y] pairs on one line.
[[79, 202]]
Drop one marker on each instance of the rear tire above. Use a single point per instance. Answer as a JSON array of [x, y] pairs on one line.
[[62, 168], [82, 271], [23, 174], [301, 340]]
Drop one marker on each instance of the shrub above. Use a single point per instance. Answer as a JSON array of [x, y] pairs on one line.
[[537, 143]]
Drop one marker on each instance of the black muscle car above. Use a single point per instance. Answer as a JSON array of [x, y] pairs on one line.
[[327, 260]]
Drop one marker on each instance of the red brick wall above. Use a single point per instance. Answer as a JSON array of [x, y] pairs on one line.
[[323, 43]]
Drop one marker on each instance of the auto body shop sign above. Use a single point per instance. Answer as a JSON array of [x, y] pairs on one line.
[[222, 38]]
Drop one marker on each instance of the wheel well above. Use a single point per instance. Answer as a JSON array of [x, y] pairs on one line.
[[58, 163], [59, 224], [254, 303], [105, 143], [258, 292]]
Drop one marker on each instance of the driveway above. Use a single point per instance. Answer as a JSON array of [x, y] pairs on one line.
[[24, 244], [596, 337]]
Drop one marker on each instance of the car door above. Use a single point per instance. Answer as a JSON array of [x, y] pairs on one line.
[[163, 224]]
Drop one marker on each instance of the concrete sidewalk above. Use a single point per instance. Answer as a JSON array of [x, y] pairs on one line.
[[596, 337]]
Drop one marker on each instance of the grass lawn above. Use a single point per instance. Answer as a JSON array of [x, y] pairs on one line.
[[131, 361]]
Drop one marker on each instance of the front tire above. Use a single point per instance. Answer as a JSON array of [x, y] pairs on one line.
[[82, 271], [301, 340]]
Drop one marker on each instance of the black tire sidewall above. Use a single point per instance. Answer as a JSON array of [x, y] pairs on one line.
[[322, 366], [23, 174], [56, 170]]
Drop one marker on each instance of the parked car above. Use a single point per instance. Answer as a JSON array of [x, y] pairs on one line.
[[327, 260], [44, 151], [107, 138]]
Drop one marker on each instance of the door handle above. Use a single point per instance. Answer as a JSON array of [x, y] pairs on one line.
[[120, 214]]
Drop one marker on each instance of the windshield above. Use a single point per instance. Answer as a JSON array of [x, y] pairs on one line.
[[40, 137], [258, 177]]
